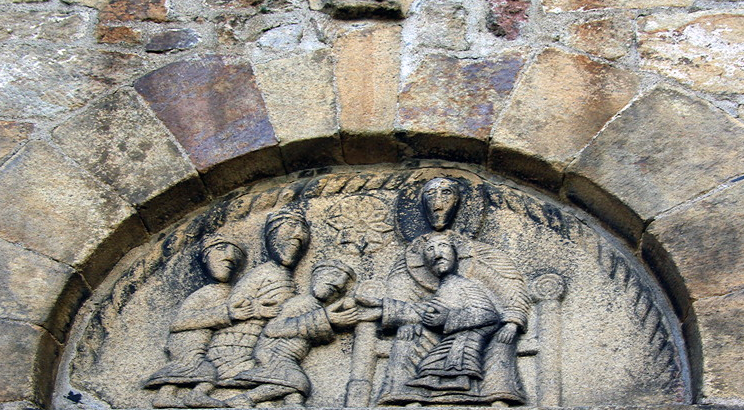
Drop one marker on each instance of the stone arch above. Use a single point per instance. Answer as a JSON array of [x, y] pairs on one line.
[[118, 214]]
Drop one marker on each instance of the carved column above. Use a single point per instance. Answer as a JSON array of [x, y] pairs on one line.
[[549, 290]]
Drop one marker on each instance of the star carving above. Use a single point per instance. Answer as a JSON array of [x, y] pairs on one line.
[[360, 222]]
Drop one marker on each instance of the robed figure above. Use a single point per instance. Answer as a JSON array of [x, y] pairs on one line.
[[455, 329]]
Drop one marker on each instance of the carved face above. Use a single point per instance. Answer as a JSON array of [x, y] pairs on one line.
[[441, 198], [440, 256], [286, 243], [329, 283], [223, 260]]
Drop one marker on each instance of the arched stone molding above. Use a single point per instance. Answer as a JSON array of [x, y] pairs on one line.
[[72, 209]]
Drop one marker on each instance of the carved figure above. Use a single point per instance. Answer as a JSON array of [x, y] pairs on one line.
[[421, 367], [260, 293], [199, 315], [305, 320]]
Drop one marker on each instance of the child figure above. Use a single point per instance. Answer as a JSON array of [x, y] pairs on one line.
[[286, 340], [199, 315]]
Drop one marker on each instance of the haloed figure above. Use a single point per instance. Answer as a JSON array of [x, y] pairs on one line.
[[440, 198], [200, 314], [305, 320]]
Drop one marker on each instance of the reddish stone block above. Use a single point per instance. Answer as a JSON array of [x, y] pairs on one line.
[[505, 17], [117, 35], [213, 108], [134, 10]]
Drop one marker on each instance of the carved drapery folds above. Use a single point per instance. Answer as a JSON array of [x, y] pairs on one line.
[[378, 286]]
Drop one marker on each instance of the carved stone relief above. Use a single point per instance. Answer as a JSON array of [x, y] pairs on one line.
[[372, 287]]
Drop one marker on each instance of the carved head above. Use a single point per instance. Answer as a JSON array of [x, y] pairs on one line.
[[440, 255], [440, 198], [287, 236], [221, 257], [331, 279]]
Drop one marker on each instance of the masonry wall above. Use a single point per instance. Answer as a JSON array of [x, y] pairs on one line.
[[117, 117]]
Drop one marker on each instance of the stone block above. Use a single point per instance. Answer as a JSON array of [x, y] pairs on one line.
[[702, 50], [506, 17], [37, 25], [664, 149], [29, 359], [609, 37], [212, 107], [442, 24], [561, 103], [299, 96], [557, 6], [140, 162], [704, 243], [134, 10], [52, 206], [48, 80], [174, 39], [358, 9], [721, 324], [96, 4], [36, 289], [456, 97], [367, 76], [118, 35], [369, 149], [12, 134]]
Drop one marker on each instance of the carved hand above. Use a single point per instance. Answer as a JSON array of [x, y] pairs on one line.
[[338, 315], [409, 332], [268, 309], [370, 314], [368, 301], [507, 333], [241, 310], [434, 317]]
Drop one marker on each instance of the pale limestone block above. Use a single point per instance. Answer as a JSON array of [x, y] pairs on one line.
[[702, 50], [561, 103], [663, 150]]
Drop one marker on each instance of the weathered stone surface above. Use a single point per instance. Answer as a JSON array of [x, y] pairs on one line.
[[118, 35], [49, 81], [299, 96], [573, 5], [355, 9], [29, 356], [452, 96], [53, 207], [610, 37], [36, 289], [12, 134], [301, 102], [140, 162], [442, 24], [174, 39], [367, 75], [134, 10], [96, 4], [35, 25], [561, 103], [721, 322], [580, 310], [505, 17], [666, 148], [211, 106], [239, 29], [705, 244], [701, 49], [233, 3]]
